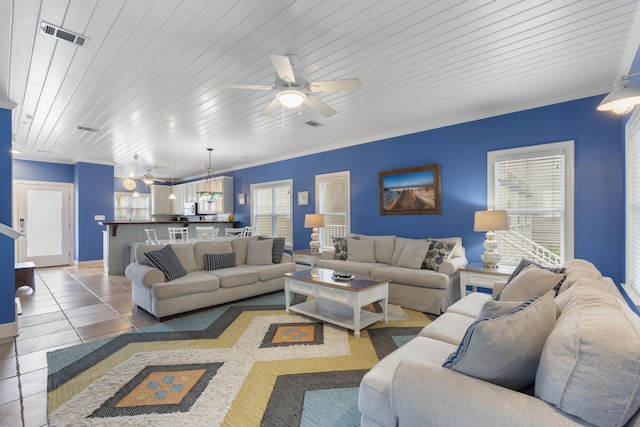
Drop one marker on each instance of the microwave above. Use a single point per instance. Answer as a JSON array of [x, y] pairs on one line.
[[191, 208]]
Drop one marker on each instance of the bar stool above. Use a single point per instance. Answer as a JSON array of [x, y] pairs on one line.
[[152, 239], [233, 232], [248, 231], [207, 233], [176, 233]]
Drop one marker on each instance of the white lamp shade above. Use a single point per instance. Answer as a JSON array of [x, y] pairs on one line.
[[291, 98], [313, 220], [491, 220], [622, 99]]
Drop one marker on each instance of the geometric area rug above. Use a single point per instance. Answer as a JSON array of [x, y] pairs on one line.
[[244, 364]]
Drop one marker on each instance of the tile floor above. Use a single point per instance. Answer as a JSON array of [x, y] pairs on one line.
[[70, 306]]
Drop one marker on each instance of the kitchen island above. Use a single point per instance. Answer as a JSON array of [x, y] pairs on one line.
[[120, 234]]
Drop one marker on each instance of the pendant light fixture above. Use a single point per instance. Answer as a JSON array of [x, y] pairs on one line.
[[172, 196], [208, 195], [623, 97]]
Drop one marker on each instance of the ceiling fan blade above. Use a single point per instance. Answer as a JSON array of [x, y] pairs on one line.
[[319, 106], [254, 87], [275, 104], [333, 85], [282, 64]]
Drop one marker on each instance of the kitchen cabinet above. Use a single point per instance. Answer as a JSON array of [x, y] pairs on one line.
[[178, 204], [160, 202]]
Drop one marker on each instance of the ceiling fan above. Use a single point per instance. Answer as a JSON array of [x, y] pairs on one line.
[[294, 89], [147, 178]]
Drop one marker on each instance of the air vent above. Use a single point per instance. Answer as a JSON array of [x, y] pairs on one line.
[[313, 124], [88, 129], [59, 33]]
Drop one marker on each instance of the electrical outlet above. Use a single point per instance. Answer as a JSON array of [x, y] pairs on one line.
[[99, 217]]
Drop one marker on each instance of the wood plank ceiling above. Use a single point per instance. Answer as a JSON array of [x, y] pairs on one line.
[[147, 76]]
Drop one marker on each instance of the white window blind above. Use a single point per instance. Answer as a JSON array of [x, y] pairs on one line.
[[333, 200], [633, 201], [531, 185], [271, 209]]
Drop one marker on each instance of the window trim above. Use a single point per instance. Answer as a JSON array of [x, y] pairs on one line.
[[318, 178], [272, 184], [541, 150]]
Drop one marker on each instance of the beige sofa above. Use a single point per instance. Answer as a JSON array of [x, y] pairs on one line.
[[411, 286], [254, 274], [578, 351]]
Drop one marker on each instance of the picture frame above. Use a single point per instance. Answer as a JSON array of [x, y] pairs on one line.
[[303, 198], [410, 191], [241, 199]]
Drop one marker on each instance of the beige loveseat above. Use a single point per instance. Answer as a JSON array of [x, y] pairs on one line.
[[413, 285], [254, 274], [578, 353]]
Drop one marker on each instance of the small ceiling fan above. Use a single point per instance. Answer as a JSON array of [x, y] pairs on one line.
[[294, 89], [147, 178]]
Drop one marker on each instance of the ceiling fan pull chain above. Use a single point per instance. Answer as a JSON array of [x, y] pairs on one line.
[[282, 117], [300, 110]]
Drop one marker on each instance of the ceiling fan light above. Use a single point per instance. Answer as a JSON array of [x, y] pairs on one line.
[[622, 99], [291, 98], [147, 180]]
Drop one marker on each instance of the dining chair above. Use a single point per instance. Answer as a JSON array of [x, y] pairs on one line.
[[176, 233], [248, 231], [233, 232], [207, 233], [152, 238]]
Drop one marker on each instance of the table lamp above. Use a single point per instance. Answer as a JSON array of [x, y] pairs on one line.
[[314, 221], [490, 221]]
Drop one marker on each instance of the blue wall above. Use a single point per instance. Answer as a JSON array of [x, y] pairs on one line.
[[461, 151], [7, 245], [29, 170], [140, 186]]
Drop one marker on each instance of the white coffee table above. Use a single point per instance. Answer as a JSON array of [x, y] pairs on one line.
[[336, 301]]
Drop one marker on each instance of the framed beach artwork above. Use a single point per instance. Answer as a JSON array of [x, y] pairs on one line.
[[414, 190]]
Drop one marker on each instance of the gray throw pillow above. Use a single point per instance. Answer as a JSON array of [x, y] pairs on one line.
[[413, 255], [277, 250], [361, 250], [340, 248], [505, 350], [530, 283], [218, 261], [260, 252], [494, 309], [439, 252], [167, 261], [524, 263]]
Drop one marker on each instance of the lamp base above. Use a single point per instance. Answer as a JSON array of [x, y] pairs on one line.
[[314, 244], [490, 257]]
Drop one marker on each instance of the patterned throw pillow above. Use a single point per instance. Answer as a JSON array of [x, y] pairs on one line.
[[277, 250], [166, 260], [340, 245], [218, 261], [439, 252]]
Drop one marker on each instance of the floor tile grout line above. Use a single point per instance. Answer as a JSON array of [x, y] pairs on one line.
[[19, 378]]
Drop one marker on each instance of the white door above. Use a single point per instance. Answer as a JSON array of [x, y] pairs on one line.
[[44, 215]]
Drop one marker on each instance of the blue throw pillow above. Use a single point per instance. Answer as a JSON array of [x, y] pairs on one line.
[[218, 261], [166, 260]]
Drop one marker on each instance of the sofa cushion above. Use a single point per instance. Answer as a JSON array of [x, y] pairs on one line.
[[374, 397], [277, 250], [192, 283], [351, 267], [413, 255], [401, 242], [166, 260], [271, 271], [579, 272], [449, 327], [505, 350], [589, 366], [186, 255], [587, 286], [235, 276], [439, 252], [210, 247], [260, 252], [525, 263], [240, 247], [361, 250], [470, 305], [407, 276], [384, 247], [530, 283], [218, 261]]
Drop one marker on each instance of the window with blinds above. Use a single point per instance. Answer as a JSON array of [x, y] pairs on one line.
[[535, 186], [632, 132], [271, 204], [333, 200]]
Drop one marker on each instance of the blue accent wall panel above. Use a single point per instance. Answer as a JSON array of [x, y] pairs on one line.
[[94, 186], [28, 170], [461, 150], [7, 252], [140, 186]]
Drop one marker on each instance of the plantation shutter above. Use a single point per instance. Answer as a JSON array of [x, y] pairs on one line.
[[272, 210], [633, 201], [333, 201], [530, 186]]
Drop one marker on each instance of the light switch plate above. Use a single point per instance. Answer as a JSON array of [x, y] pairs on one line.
[[99, 217]]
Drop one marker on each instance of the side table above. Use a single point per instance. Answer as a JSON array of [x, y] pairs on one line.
[[475, 278], [306, 257]]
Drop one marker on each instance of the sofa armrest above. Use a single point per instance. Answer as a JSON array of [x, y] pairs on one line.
[[328, 254], [450, 266], [144, 275], [286, 258], [427, 395], [498, 286]]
